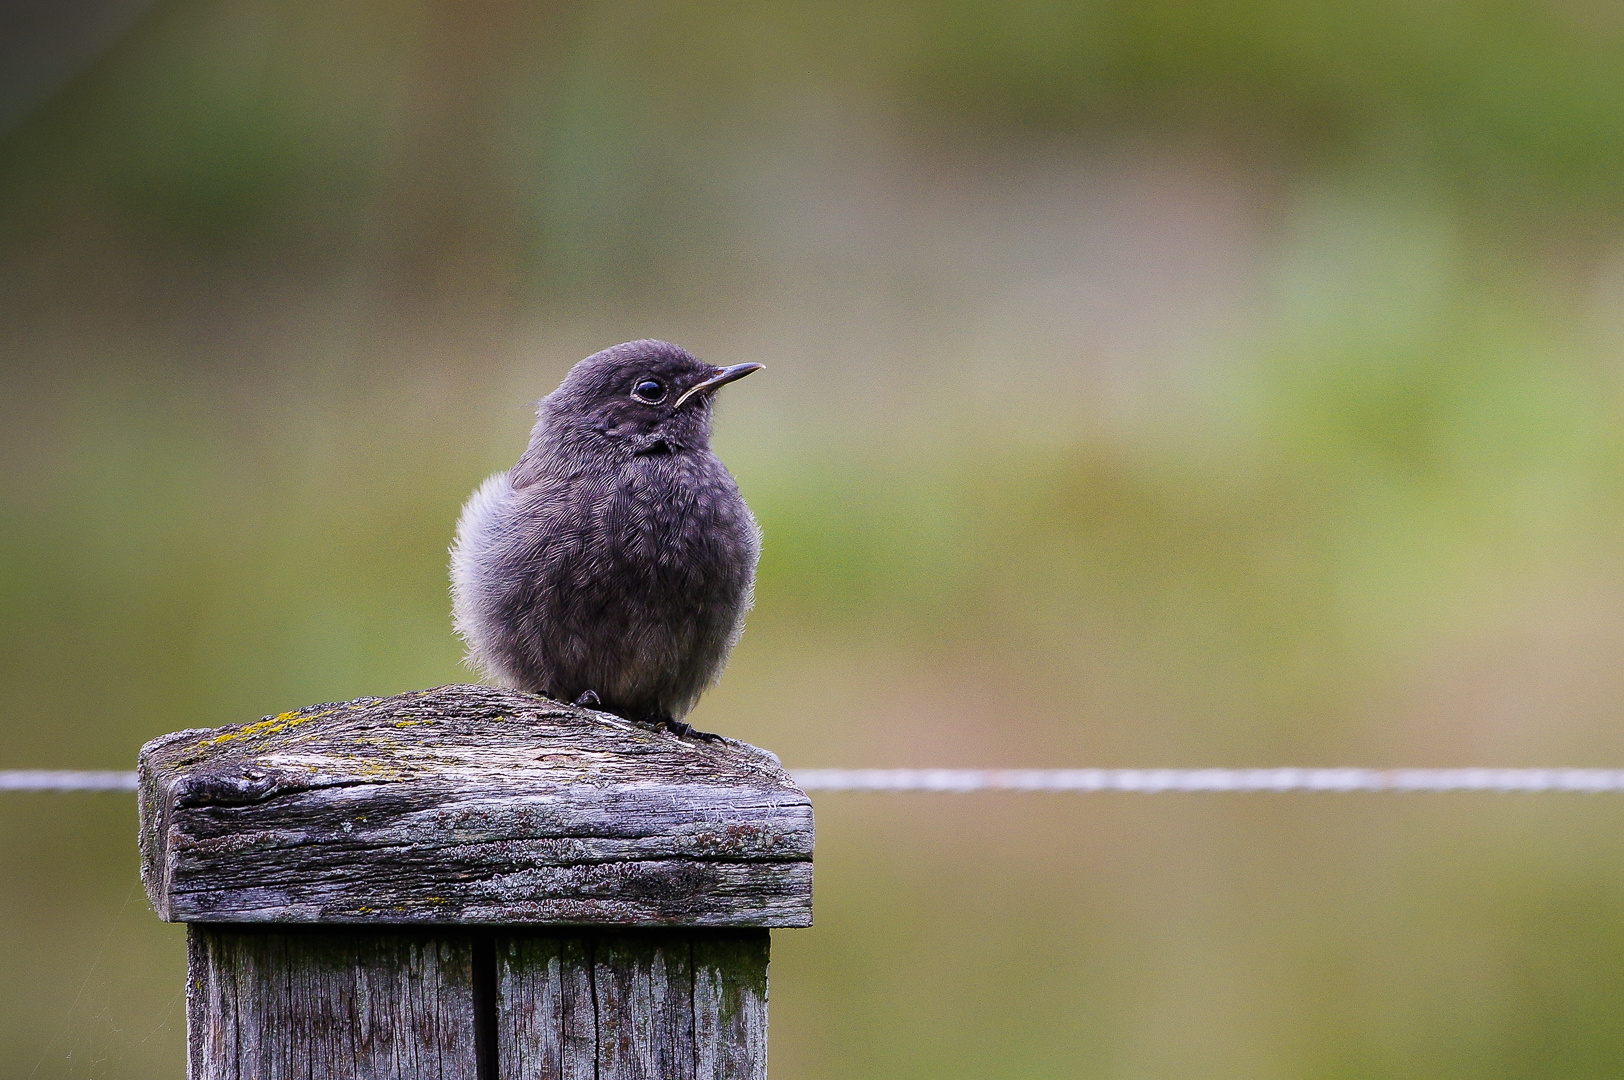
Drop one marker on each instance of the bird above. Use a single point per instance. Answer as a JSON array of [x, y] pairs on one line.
[[613, 565]]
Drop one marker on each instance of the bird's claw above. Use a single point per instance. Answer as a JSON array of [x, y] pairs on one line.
[[587, 700], [681, 729]]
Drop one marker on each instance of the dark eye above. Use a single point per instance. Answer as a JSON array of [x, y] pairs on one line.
[[649, 390]]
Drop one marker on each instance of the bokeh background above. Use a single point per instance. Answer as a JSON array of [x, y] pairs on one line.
[[1150, 382]]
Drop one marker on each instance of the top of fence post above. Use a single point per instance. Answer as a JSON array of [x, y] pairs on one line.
[[468, 804]]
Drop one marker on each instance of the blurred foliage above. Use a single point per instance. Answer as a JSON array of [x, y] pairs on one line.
[[1163, 383]]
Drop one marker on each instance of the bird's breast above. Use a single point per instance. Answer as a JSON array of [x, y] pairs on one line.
[[660, 523]]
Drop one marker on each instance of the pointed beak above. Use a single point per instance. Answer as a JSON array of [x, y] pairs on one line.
[[722, 377]]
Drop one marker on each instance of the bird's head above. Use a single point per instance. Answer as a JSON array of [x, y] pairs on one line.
[[650, 396]]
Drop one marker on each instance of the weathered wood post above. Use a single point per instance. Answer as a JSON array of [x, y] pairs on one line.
[[472, 883]]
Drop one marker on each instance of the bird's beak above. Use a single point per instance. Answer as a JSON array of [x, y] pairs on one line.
[[722, 377]]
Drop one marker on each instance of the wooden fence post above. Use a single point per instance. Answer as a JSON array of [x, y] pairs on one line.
[[472, 883]]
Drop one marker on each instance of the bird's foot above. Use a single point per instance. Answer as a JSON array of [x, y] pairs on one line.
[[679, 728], [587, 700]]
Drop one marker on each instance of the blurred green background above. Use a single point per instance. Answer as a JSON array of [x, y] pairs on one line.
[[1150, 382]]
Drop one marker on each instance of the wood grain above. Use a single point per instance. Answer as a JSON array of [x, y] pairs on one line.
[[398, 1003], [469, 804], [730, 1005], [644, 989], [632, 1005], [314, 1003], [547, 1024]]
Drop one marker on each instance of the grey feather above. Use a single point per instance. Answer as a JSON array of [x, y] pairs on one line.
[[617, 555]]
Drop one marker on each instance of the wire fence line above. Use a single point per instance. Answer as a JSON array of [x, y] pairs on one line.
[[1143, 781], [57, 780], [1156, 781]]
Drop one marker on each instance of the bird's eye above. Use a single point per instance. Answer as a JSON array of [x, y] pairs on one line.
[[649, 390]]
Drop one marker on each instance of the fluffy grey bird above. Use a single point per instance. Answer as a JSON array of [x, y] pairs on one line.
[[613, 565]]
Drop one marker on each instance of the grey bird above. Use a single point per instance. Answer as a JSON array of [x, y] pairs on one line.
[[613, 565]]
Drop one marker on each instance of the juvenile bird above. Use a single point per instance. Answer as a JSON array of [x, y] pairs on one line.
[[613, 565]]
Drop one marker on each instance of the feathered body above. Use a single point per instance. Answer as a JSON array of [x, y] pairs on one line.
[[617, 555]]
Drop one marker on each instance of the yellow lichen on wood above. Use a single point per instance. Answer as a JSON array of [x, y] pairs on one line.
[[273, 725]]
